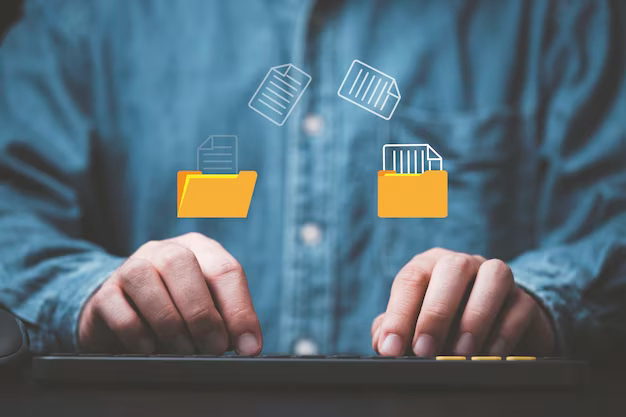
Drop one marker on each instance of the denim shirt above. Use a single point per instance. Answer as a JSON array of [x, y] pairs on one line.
[[102, 102]]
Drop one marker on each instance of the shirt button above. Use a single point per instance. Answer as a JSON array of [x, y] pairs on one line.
[[305, 347], [311, 234], [313, 124]]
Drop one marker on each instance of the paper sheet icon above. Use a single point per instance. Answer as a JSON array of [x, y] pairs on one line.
[[218, 155], [279, 93], [370, 89], [411, 158]]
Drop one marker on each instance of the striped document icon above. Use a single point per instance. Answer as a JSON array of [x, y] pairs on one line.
[[411, 159], [370, 89], [279, 93]]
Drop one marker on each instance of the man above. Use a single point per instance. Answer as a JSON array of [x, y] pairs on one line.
[[102, 102]]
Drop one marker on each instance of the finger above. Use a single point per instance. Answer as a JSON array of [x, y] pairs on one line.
[[94, 335], [113, 308], [493, 283], [513, 322], [377, 322], [376, 331], [229, 287], [142, 283], [375, 340], [538, 339], [185, 283], [449, 280], [407, 292]]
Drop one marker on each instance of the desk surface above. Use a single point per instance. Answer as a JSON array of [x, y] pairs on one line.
[[605, 396]]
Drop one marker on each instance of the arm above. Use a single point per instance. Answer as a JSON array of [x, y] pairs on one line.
[[47, 271], [182, 295], [578, 270]]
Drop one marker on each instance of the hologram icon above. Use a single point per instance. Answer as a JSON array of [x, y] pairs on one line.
[[217, 189], [370, 89], [279, 93], [412, 183], [411, 159], [218, 155]]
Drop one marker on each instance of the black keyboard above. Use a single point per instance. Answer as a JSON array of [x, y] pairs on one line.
[[441, 371]]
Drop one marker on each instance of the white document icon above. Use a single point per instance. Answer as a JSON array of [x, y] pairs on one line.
[[411, 159], [370, 89], [279, 92], [218, 155]]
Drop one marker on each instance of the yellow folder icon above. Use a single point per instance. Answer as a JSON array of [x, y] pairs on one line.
[[215, 195], [413, 195]]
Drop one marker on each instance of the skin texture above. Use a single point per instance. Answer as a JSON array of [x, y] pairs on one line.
[[183, 295], [428, 296]]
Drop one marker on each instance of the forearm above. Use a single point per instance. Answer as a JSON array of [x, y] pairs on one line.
[[582, 285], [46, 277]]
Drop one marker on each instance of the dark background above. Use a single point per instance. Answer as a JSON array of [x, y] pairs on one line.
[[10, 12]]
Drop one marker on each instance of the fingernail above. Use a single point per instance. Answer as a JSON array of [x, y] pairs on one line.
[[146, 345], [247, 344], [465, 345], [392, 345], [214, 342], [425, 345], [183, 345], [498, 347]]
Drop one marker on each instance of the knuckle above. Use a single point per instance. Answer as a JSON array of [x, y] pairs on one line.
[[150, 245], [199, 315], [135, 271], [168, 319], [240, 314], [104, 294], [414, 275], [397, 321], [196, 237], [174, 256], [228, 268], [436, 312], [474, 316], [126, 322], [438, 251], [498, 269], [457, 261]]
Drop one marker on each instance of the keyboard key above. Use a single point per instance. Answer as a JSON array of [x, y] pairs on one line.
[[486, 358], [521, 358], [450, 358]]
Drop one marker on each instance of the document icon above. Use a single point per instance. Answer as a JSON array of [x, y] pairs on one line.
[[218, 155], [370, 89], [412, 183], [217, 188], [279, 93]]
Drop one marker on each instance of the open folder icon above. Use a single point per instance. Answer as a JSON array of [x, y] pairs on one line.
[[216, 195], [416, 187]]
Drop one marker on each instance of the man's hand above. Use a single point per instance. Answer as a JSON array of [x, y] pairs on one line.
[[181, 295], [499, 318]]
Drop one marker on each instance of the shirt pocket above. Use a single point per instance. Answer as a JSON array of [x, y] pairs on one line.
[[491, 163]]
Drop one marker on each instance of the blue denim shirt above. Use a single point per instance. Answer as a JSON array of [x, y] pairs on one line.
[[102, 102]]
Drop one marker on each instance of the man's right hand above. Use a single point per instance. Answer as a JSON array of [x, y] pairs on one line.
[[181, 295]]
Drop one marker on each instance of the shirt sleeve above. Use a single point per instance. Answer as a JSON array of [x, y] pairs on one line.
[[578, 270], [48, 269]]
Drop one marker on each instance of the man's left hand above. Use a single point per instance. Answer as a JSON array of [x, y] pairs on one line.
[[499, 317]]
